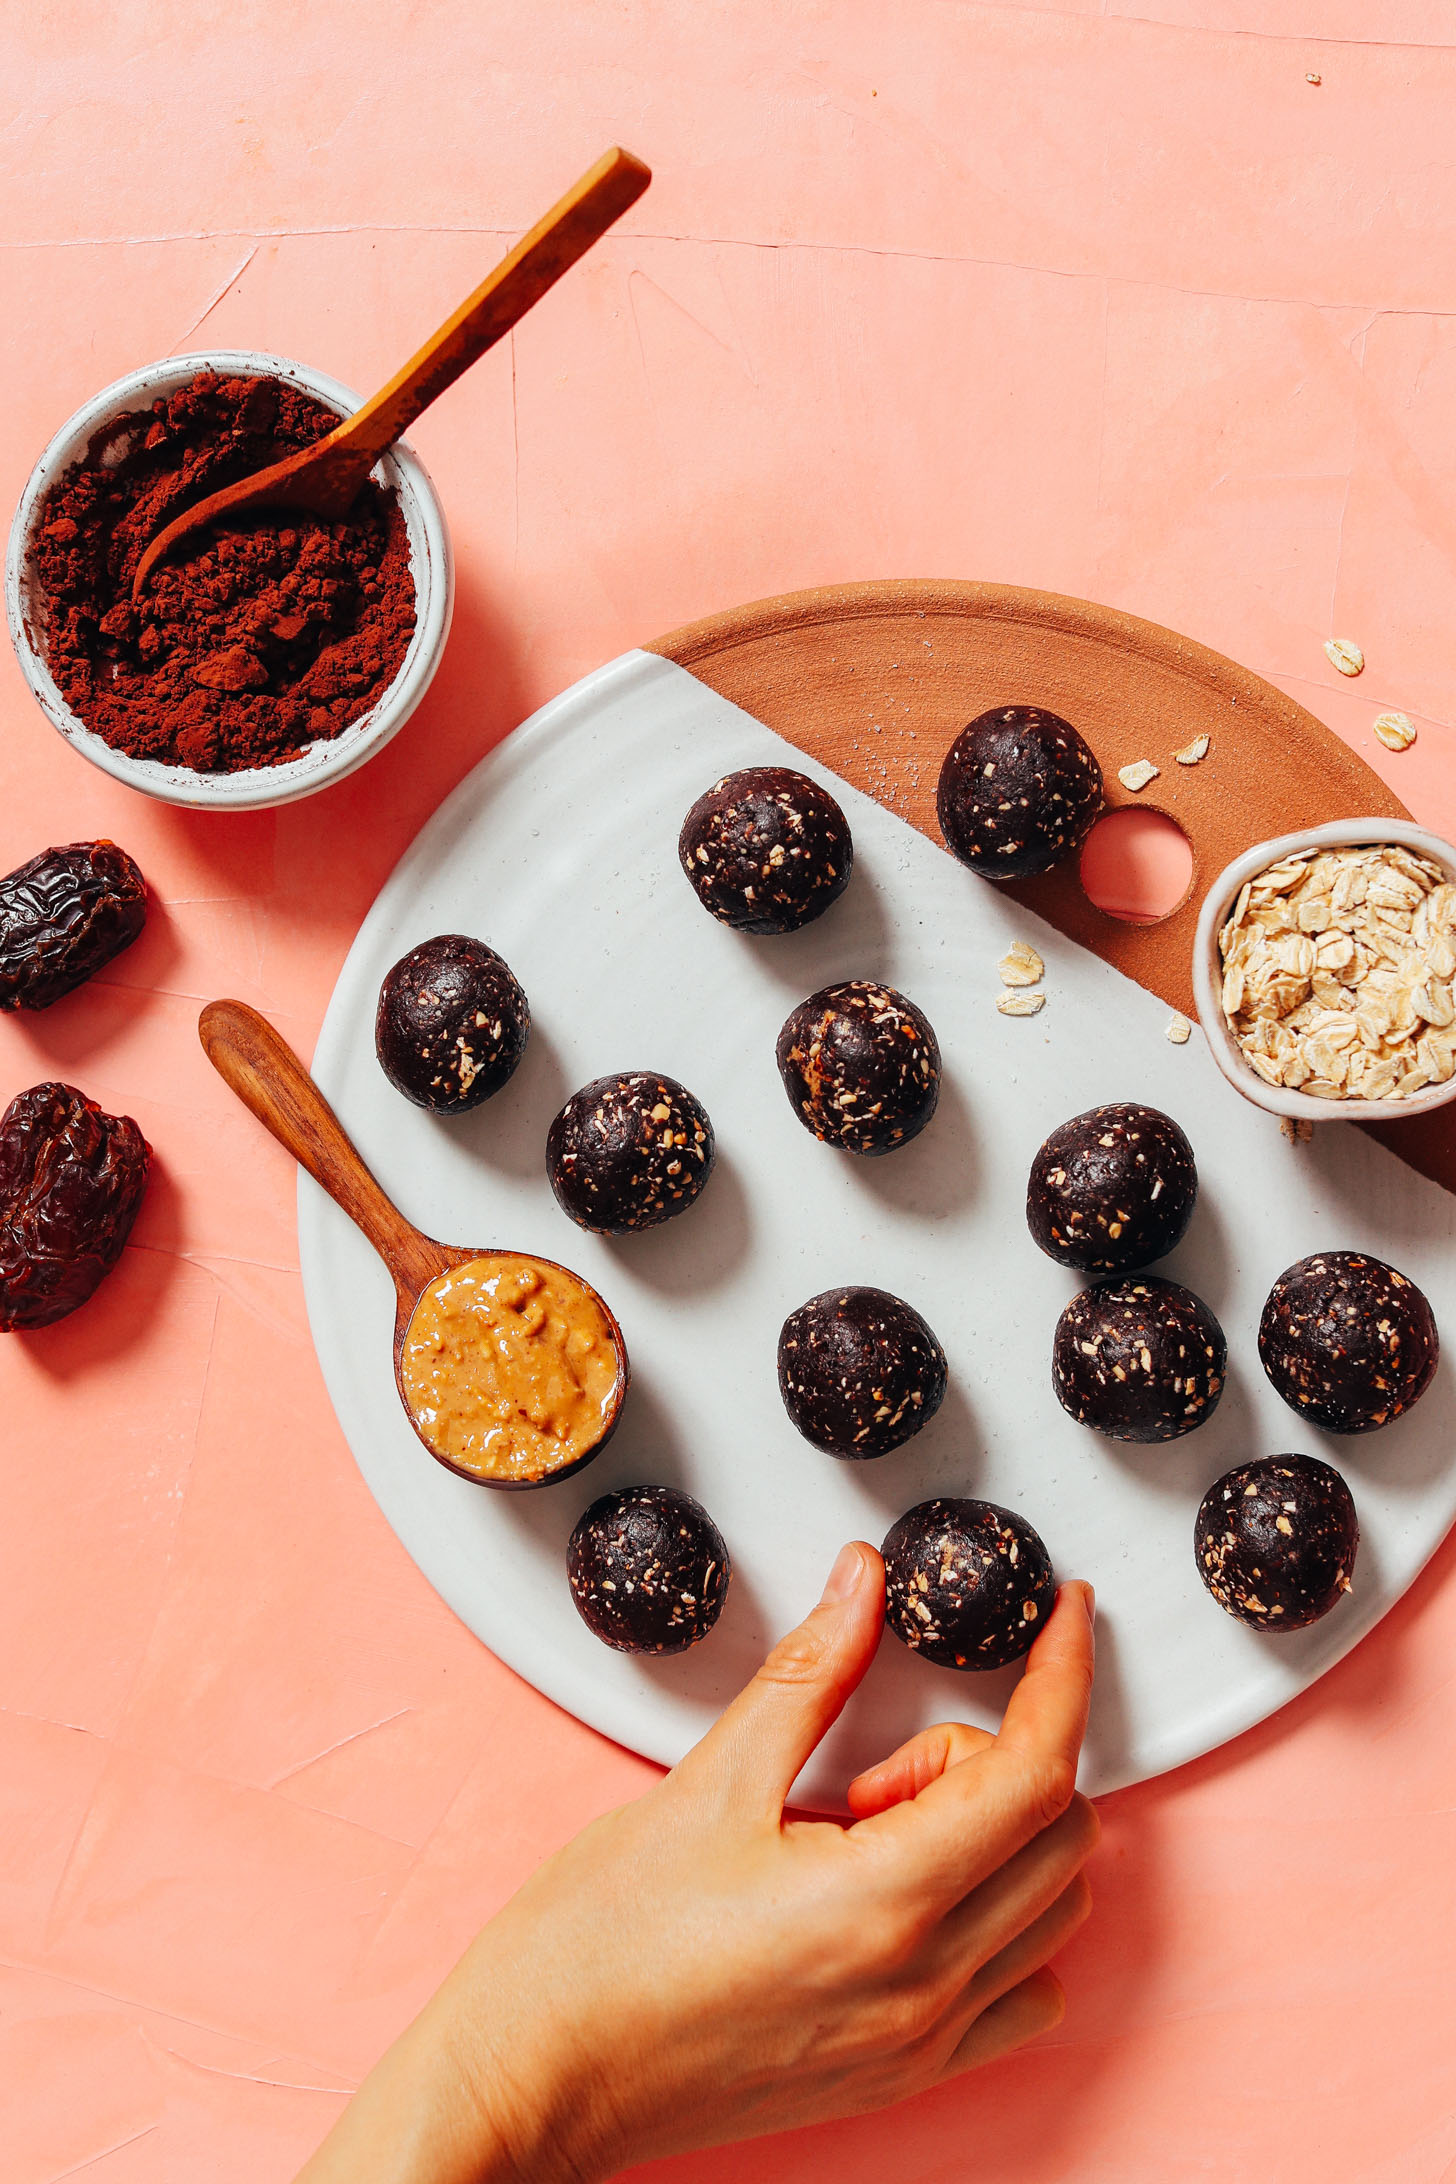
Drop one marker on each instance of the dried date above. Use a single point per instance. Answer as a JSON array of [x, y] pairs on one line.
[[62, 917], [71, 1182]]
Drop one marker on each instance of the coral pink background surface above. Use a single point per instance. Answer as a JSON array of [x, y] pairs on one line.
[[1111, 302]]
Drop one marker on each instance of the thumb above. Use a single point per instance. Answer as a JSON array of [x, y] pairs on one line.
[[753, 1753]]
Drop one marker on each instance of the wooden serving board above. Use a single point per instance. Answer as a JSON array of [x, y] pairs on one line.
[[875, 680], [561, 850]]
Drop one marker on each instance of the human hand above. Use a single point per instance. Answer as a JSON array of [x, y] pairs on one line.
[[696, 1968]]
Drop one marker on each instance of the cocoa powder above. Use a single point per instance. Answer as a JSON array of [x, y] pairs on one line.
[[252, 642]]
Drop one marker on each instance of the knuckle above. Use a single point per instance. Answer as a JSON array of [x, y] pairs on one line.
[[1051, 1784], [886, 1940], [1091, 1820], [797, 1659], [1050, 1997], [954, 1741], [913, 2016], [1079, 1901], [1084, 1829]]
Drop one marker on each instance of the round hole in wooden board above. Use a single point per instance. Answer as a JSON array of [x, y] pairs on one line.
[[874, 680], [1136, 865]]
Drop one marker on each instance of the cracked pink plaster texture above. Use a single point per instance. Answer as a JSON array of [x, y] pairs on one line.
[[1110, 301]]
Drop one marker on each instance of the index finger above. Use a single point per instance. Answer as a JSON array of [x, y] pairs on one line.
[[1046, 1715], [962, 1827]]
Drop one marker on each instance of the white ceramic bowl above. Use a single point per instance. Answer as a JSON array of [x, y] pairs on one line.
[[1208, 970], [319, 763]]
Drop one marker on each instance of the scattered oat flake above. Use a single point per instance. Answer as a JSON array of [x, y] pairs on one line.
[[1297, 1128], [1345, 654], [1311, 77], [1021, 965], [1020, 1004], [1138, 774], [1192, 752], [1395, 730], [1178, 1029]]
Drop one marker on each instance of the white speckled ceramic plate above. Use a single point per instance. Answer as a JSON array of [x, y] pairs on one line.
[[560, 849]]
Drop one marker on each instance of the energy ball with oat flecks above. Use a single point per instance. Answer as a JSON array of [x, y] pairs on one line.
[[1276, 1541], [859, 1372], [861, 1066], [766, 850], [1138, 1360], [967, 1584], [452, 1024], [1112, 1189], [629, 1151], [648, 1570], [1019, 790], [1347, 1341]]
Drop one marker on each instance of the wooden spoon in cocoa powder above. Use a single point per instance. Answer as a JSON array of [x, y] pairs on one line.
[[325, 478], [272, 1082]]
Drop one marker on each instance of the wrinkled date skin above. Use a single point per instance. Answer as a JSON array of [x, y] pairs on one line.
[[71, 1182], [63, 917]]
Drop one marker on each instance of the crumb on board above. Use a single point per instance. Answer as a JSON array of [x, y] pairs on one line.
[[1021, 965]]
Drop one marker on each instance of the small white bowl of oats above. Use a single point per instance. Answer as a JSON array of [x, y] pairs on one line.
[[1325, 972]]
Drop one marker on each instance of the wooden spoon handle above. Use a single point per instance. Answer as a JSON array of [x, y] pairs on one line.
[[538, 261], [268, 1077]]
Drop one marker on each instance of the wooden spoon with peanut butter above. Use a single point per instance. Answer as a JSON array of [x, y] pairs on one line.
[[511, 1369]]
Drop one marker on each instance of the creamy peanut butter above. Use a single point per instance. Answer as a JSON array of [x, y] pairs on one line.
[[509, 1367]]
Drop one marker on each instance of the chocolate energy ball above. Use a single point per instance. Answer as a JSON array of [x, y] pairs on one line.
[[1347, 1341], [1139, 1360], [859, 1371], [1276, 1541], [861, 1066], [451, 1025], [967, 1584], [766, 850], [1112, 1189], [1019, 790], [648, 1570], [629, 1151]]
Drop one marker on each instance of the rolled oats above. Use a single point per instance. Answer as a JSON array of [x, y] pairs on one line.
[[1019, 1004], [1138, 774], [1192, 752], [1345, 654], [1431, 1001], [1178, 1029], [1339, 973], [1021, 965], [1395, 730]]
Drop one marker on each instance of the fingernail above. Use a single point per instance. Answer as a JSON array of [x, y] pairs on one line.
[[846, 1573], [1090, 1598]]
